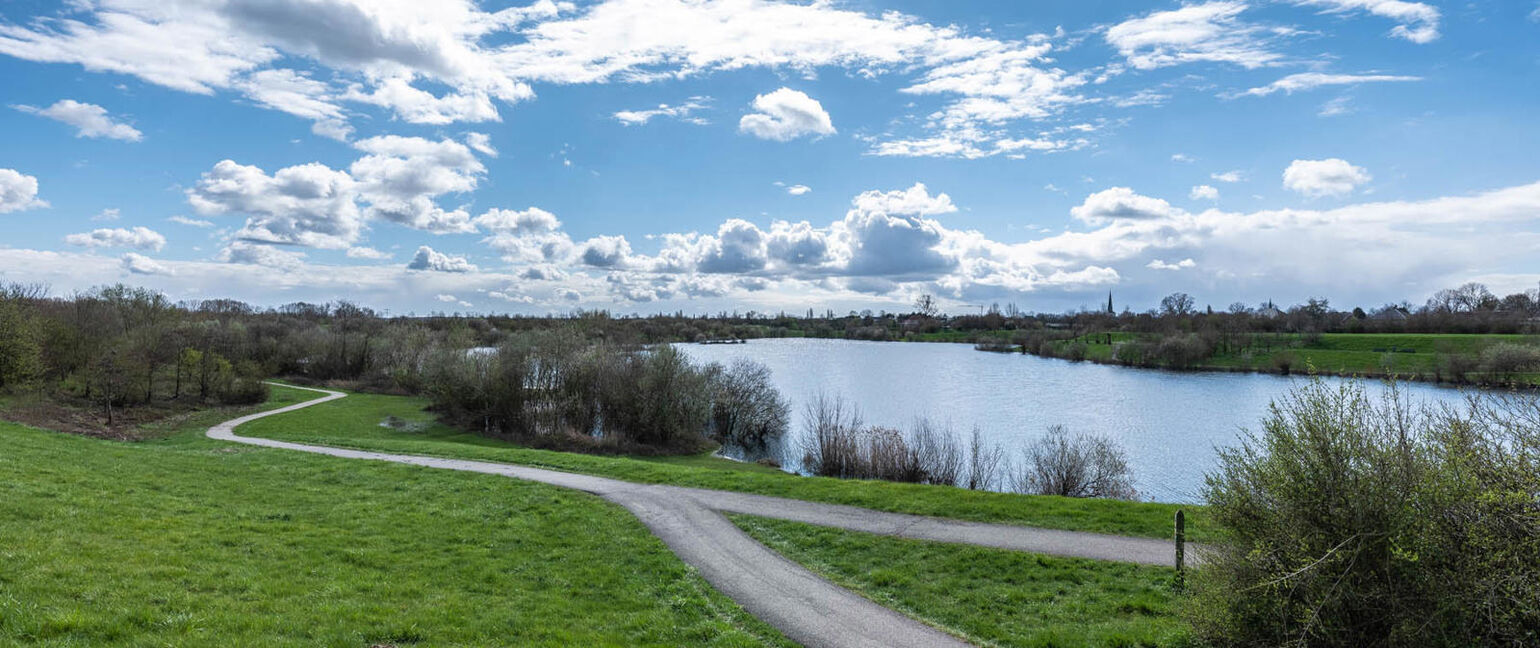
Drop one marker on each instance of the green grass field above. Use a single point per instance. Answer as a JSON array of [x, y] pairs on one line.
[[355, 422], [989, 596], [1405, 355], [184, 541]]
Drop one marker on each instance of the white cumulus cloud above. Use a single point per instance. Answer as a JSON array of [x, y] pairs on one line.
[[18, 191], [140, 264], [1321, 178], [141, 238], [429, 259], [784, 115]]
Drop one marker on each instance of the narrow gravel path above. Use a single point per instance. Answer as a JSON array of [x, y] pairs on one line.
[[799, 603]]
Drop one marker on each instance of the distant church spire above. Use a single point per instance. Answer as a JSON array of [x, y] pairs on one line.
[[1109, 303]]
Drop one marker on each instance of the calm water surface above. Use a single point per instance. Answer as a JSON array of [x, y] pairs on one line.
[[1169, 422]]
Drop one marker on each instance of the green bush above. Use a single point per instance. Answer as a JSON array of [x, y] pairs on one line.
[[1349, 522]]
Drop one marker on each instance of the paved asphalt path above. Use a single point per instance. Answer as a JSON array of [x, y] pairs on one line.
[[802, 605]]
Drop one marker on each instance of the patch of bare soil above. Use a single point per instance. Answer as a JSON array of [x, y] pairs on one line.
[[83, 419]]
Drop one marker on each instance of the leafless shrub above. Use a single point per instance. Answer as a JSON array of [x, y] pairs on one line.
[[1504, 361], [831, 447], [1074, 466], [937, 451], [983, 463], [837, 444]]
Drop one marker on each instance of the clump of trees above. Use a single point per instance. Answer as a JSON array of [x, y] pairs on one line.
[[557, 389], [119, 347], [1350, 522]]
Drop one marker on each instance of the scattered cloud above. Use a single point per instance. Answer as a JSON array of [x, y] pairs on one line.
[[482, 143], [1321, 178], [89, 120], [1203, 192], [1121, 204], [1415, 21], [258, 254], [1311, 80], [1228, 176], [141, 238], [109, 214], [360, 252], [798, 189], [308, 204], [18, 191], [140, 264], [683, 112], [1182, 157], [784, 115], [1210, 32], [1157, 264], [1337, 106], [429, 259], [191, 222]]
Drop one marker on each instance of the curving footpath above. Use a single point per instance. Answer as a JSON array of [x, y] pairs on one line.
[[802, 605]]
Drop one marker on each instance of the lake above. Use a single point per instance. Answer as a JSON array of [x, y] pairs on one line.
[[1169, 422]]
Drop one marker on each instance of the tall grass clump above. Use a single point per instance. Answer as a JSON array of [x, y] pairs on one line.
[[1354, 522]]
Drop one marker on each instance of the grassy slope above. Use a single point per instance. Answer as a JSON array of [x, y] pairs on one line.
[[990, 596], [354, 422], [187, 542]]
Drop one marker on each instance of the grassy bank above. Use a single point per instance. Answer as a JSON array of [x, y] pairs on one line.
[[356, 422], [989, 596], [188, 542], [1408, 356]]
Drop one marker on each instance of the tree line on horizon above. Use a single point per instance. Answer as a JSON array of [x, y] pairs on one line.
[[120, 346]]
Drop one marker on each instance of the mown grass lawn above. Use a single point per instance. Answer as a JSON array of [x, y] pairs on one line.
[[189, 542], [355, 422], [989, 596]]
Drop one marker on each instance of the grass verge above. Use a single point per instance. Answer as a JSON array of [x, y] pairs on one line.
[[989, 596], [189, 542], [356, 422]]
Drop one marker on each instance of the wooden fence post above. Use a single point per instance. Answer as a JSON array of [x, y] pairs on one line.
[[1181, 548]]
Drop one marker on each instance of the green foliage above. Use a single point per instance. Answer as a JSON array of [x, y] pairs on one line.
[[20, 352], [1353, 523]]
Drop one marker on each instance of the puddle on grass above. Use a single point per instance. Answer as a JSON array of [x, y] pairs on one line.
[[397, 423]]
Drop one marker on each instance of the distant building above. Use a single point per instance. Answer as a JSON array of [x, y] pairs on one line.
[[1269, 311], [1394, 314]]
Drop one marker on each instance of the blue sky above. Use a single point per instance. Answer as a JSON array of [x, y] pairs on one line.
[[659, 155]]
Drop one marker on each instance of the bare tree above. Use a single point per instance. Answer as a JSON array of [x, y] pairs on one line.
[[747, 411], [1179, 304], [1075, 466], [983, 463], [926, 305]]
